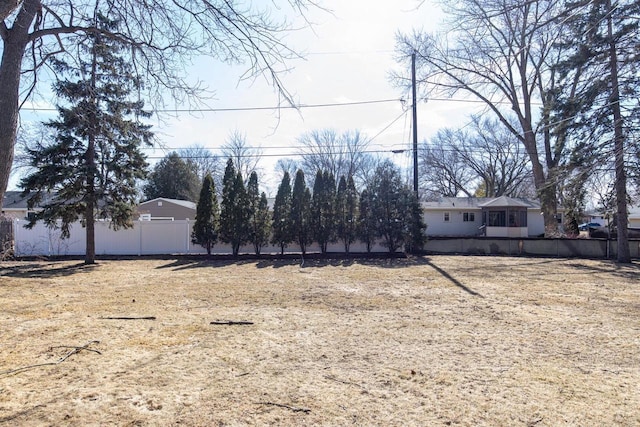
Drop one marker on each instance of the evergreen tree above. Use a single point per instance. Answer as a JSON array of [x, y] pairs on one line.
[[259, 220], [234, 212], [366, 221], [281, 225], [347, 212], [600, 91], [396, 208], [340, 209], [300, 212], [415, 227], [205, 229], [173, 178], [322, 213], [94, 161]]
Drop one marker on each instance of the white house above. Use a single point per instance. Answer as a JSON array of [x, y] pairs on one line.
[[484, 216], [14, 205], [634, 217]]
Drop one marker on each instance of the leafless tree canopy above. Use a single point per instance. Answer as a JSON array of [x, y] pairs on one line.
[[341, 155], [163, 38], [500, 52], [486, 160], [246, 158]]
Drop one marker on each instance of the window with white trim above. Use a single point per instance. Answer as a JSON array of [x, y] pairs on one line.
[[469, 217], [446, 217]]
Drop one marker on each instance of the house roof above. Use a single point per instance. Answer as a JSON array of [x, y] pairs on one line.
[[13, 200], [184, 203], [508, 202], [446, 203], [453, 202]]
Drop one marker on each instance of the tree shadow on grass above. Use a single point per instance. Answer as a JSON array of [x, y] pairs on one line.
[[45, 270], [626, 271], [452, 279], [187, 263]]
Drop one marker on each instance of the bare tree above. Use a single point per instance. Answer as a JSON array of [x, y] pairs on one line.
[[499, 52], [286, 165], [246, 159], [204, 161], [443, 173], [162, 37], [497, 158], [341, 155]]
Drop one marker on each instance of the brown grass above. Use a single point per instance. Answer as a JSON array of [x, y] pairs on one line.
[[422, 341]]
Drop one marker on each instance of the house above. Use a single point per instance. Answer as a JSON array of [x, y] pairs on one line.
[[163, 208], [634, 217], [14, 205], [484, 216]]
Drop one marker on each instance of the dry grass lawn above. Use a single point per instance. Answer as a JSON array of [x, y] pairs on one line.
[[441, 340]]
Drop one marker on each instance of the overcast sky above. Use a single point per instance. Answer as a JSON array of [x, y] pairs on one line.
[[349, 55]]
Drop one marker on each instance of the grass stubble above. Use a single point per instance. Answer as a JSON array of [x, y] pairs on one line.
[[442, 340]]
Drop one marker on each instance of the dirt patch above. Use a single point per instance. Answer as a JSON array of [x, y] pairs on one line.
[[440, 340]]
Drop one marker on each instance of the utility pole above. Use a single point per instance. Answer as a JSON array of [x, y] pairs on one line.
[[415, 124]]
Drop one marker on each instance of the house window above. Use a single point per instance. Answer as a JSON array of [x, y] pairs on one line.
[[497, 218], [469, 217], [517, 218], [446, 217]]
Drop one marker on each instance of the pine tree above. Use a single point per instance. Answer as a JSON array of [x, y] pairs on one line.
[[300, 212], [415, 227], [396, 209], [322, 214], [173, 178], [281, 225], [347, 212], [94, 161], [600, 92], [366, 221], [234, 212], [205, 229], [258, 215], [341, 211]]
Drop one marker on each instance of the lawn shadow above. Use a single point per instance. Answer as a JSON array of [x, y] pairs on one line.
[[626, 271], [45, 270], [452, 279], [187, 263]]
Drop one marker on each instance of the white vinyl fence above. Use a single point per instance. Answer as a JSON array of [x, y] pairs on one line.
[[158, 237]]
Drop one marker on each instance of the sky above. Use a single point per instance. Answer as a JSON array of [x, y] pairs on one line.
[[348, 57]]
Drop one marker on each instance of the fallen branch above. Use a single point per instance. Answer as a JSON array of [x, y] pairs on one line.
[[129, 318], [75, 350], [230, 322], [280, 405], [78, 348]]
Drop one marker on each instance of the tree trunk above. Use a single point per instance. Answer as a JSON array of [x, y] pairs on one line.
[[15, 41], [545, 187], [624, 255]]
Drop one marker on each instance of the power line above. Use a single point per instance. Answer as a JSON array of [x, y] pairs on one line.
[[278, 107]]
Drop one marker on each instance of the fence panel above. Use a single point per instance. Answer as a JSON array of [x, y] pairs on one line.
[[174, 237]]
